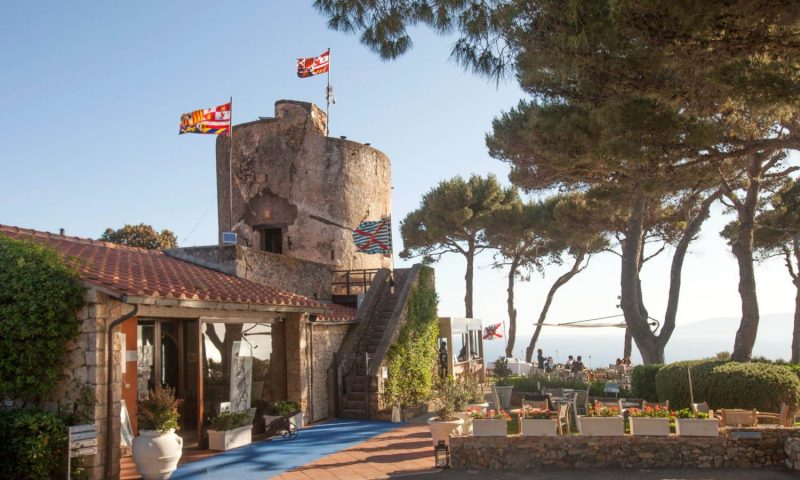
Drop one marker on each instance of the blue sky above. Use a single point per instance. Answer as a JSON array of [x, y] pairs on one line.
[[93, 92]]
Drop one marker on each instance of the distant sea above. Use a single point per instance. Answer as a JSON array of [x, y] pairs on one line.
[[600, 347]]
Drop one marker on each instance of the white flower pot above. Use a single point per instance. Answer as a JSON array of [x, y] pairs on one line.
[[156, 454], [466, 428], [601, 426], [268, 419], [504, 395], [483, 405], [440, 431], [228, 439], [655, 427], [538, 427], [697, 427], [489, 427], [297, 420]]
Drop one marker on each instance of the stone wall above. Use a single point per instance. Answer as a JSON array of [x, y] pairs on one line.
[[288, 174], [739, 448], [326, 339], [306, 278], [792, 450], [86, 375]]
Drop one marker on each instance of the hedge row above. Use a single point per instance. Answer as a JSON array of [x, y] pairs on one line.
[[643, 381], [725, 384], [32, 445]]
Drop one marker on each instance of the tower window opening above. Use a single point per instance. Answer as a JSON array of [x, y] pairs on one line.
[[272, 240]]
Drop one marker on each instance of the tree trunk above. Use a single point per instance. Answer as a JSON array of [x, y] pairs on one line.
[[563, 279], [627, 349], [796, 282], [636, 317], [468, 277], [512, 312], [743, 250]]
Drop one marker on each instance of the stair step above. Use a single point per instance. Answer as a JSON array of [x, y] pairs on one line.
[[349, 413]]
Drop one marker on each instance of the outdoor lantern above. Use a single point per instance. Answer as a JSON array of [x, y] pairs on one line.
[[442, 453]]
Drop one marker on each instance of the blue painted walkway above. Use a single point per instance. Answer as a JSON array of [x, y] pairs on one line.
[[266, 459]]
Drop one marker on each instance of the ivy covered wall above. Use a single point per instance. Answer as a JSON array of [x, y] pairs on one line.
[[412, 358]]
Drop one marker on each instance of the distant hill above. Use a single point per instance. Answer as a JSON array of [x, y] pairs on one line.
[[771, 324]]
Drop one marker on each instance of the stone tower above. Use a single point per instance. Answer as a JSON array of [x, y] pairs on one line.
[[299, 193]]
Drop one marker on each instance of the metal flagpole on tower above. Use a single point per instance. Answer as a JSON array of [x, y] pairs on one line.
[[230, 169], [328, 98]]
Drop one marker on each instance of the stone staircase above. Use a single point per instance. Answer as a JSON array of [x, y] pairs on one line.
[[361, 353]]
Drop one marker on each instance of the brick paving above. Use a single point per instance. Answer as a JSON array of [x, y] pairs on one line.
[[403, 451]]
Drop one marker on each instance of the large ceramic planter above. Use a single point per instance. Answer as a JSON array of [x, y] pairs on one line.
[[649, 426], [538, 427], [156, 454], [228, 439], [466, 427], [489, 427], [504, 396], [601, 426], [697, 427], [440, 431]]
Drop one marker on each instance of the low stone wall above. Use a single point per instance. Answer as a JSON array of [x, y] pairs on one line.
[[740, 448], [792, 450]]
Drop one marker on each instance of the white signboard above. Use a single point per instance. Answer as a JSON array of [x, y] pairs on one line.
[[241, 376]]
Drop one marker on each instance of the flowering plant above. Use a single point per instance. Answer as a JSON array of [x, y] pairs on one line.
[[651, 412], [481, 414], [598, 410], [535, 413], [686, 413]]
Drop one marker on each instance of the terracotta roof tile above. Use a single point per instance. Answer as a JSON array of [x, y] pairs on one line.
[[138, 272], [337, 313]]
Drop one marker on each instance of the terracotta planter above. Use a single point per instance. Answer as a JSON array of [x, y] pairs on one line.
[[466, 427], [538, 427], [228, 439], [697, 427], [440, 431], [156, 454], [504, 395], [655, 427], [601, 426], [489, 428]]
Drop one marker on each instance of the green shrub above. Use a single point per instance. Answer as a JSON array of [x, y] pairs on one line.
[[729, 385], [412, 359], [32, 445], [39, 300], [231, 420], [643, 381], [159, 411], [283, 408]]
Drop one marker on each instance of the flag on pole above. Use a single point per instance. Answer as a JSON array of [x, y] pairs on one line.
[[215, 121], [308, 67], [491, 332], [374, 236]]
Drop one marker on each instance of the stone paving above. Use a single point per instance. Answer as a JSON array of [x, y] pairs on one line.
[[683, 474]]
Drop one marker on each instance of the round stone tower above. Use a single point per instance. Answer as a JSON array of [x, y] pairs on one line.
[[299, 193]]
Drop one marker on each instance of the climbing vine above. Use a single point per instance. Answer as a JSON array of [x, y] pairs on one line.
[[412, 359], [39, 300]]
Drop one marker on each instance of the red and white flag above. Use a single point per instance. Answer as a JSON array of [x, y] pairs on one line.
[[308, 67], [215, 121]]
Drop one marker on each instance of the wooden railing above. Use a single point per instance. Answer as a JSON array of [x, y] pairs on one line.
[[352, 282]]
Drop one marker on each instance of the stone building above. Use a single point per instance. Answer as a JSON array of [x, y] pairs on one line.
[[299, 193]]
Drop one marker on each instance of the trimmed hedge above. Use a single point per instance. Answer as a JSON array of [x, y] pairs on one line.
[[33, 444], [725, 384], [643, 381]]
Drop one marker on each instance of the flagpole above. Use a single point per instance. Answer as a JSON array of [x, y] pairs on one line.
[[230, 170], [328, 98]]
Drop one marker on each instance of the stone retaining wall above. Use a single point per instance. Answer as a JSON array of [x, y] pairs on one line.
[[740, 448], [792, 449]]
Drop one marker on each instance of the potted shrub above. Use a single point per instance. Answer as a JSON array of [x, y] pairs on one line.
[[650, 421], [535, 422], [601, 421], [502, 384], [230, 430], [699, 424], [157, 449], [444, 422], [491, 423], [285, 408]]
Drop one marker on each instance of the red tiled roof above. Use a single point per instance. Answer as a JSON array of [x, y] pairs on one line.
[[337, 313], [137, 272]]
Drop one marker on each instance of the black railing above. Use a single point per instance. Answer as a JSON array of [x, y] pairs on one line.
[[352, 282]]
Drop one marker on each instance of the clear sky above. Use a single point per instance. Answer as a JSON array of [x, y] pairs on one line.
[[93, 91]]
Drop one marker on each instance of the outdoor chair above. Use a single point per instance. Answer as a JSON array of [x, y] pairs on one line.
[[733, 417], [554, 392], [564, 426], [783, 418], [579, 400], [701, 407]]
